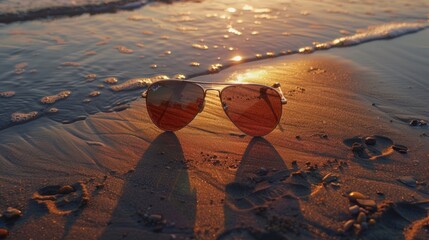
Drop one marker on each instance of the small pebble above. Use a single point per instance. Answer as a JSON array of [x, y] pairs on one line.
[[371, 221], [262, 171], [353, 196], [4, 233], [348, 225], [367, 203], [94, 93], [361, 217], [12, 213], [400, 148], [357, 147], [363, 210], [298, 173], [414, 122], [155, 218], [370, 141], [354, 209], [330, 178], [358, 228], [111, 80], [66, 189]]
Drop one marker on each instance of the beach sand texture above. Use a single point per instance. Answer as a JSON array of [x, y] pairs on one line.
[[209, 182], [348, 160]]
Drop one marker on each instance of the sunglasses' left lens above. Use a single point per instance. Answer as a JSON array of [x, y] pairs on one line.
[[174, 104]]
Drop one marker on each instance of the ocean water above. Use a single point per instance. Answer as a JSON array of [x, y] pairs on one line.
[[67, 66]]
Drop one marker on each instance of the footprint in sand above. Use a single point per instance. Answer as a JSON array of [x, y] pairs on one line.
[[251, 194], [63, 200], [399, 220], [372, 147]]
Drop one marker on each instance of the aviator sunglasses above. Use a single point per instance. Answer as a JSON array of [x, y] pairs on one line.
[[253, 108]]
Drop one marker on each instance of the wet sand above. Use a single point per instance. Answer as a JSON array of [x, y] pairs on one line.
[[209, 181]]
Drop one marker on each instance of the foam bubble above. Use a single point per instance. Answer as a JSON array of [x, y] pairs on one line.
[[139, 18], [384, 31], [19, 117], [262, 10], [194, 64], [214, 68], [179, 76], [91, 76], [111, 80], [94, 93], [200, 46], [265, 16], [186, 28], [7, 94], [70, 64], [306, 50], [181, 19], [89, 53], [53, 110], [19, 71], [56, 97], [234, 31], [124, 50], [132, 84], [159, 77], [103, 42], [21, 65]]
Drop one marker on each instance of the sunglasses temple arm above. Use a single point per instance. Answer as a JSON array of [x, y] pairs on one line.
[[144, 94], [278, 87]]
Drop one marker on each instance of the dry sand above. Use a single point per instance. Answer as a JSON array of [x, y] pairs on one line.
[[209, 181]]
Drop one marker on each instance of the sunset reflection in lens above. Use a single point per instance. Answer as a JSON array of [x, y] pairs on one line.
[[254, 109], [174, 104]]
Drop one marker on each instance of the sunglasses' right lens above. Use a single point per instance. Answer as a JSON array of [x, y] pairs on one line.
[[254, 109], [174, 104]]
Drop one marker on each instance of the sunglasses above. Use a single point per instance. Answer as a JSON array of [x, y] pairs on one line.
[[253, 108]]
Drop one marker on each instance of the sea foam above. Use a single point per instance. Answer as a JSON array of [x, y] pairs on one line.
[[385, 31]]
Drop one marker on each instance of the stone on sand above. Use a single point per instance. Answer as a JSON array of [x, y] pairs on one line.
[[4, 233], [330, 178], [357, 147], [347, 225], [12, 213], [353, 196], [370, 141], [361, 217], [400, 148], [66, 189], [354, 209], [367, 203]]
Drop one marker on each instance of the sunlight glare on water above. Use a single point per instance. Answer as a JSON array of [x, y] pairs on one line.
[[111, 57]]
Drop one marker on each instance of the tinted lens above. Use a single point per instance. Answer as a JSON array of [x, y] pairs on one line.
[[254, 109], [173, 104]]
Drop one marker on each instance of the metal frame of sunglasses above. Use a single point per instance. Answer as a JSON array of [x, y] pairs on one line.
[[220, 87]]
